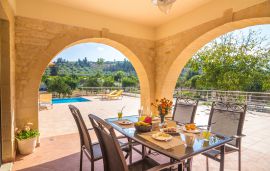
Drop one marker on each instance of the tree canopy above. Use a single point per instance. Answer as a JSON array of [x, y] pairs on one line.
[[231, 62], [66, 76]]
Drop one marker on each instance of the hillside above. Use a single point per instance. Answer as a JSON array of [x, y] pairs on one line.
[[86, 68]]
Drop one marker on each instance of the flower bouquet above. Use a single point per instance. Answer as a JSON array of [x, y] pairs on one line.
[[164, 106]]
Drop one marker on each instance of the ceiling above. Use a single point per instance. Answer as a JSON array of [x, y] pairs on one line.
[[138, 11]]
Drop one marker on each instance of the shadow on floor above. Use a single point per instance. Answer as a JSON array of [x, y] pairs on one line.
[[68, 163]]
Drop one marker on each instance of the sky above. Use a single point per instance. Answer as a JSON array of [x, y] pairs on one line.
[[93, 51]]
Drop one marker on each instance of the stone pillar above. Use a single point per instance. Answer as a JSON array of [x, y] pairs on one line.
[[7, 110]]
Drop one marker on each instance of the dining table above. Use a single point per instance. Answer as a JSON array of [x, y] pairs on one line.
[[176, 149]]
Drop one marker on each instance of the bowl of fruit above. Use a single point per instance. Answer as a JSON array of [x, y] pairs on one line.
[[144, 124]]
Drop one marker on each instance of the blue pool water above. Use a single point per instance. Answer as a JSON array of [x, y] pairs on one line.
[[69, 100]]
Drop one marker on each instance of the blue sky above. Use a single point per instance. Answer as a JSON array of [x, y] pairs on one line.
[[93, 51]]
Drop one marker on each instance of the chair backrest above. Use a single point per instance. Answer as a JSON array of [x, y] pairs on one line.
[[113, 158], [83, 131], [227, 118], [185, 110]]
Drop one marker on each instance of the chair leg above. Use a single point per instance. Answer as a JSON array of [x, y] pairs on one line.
[[239, 159], [92, 165], [175, 167], [149, 151], [126, 156], [130, 152], [207, 164], [81, 159]]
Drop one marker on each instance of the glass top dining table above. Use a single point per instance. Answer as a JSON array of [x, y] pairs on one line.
[[180, 152]]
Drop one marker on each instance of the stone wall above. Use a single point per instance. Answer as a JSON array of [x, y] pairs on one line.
[[37, 42], [157, 63]]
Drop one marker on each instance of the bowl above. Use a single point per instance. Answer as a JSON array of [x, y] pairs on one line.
[[143, 128]]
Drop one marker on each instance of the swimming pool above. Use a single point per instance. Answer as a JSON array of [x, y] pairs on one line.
[[69, 100]]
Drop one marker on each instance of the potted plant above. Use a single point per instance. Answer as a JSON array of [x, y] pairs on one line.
[[27, 139]]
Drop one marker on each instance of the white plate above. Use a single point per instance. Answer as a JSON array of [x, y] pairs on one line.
[[124, 122], [161, 138], [196, 131]]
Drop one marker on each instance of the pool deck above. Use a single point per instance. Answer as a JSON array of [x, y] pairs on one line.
[[59, 148], [59, 121]]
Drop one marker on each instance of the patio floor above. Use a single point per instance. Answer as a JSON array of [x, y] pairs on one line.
[[59, 148], [59, 121]]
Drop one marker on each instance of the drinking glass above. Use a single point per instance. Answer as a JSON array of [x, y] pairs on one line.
[[140, 111], [120, 115], [190, 138], [206, 134]]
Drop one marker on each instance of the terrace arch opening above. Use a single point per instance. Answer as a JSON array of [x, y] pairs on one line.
[[257, 103], [180, 61], [135, 61], [85, 76]]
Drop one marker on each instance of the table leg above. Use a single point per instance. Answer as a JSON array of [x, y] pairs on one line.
[[222, 157], [180, 167], [189, 164], [130, 147], [143, 151]]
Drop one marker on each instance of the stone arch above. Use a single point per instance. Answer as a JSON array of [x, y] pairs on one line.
[[180, 60], [28, 83], [135, 61]]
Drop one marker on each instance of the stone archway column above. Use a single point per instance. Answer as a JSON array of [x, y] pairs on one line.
[[7, 82]]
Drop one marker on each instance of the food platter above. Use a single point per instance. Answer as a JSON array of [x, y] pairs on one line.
[[125, 122], [194, 131], [170, 130], [160, 136]]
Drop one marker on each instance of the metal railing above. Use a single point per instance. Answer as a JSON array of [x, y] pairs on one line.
[[90, 91], [128, 91], [256, 101]]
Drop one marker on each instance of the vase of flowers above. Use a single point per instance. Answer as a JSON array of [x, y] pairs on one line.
[[164, 106], [27, 139]]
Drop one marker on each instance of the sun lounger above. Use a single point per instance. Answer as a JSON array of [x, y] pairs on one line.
[[103, 96], [117, 95], [45, 100]]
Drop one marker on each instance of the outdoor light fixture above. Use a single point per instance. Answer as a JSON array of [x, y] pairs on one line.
[[164, 5]]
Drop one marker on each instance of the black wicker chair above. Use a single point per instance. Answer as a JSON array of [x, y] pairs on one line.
[[113, 159], [227, 118], [91, 150]]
